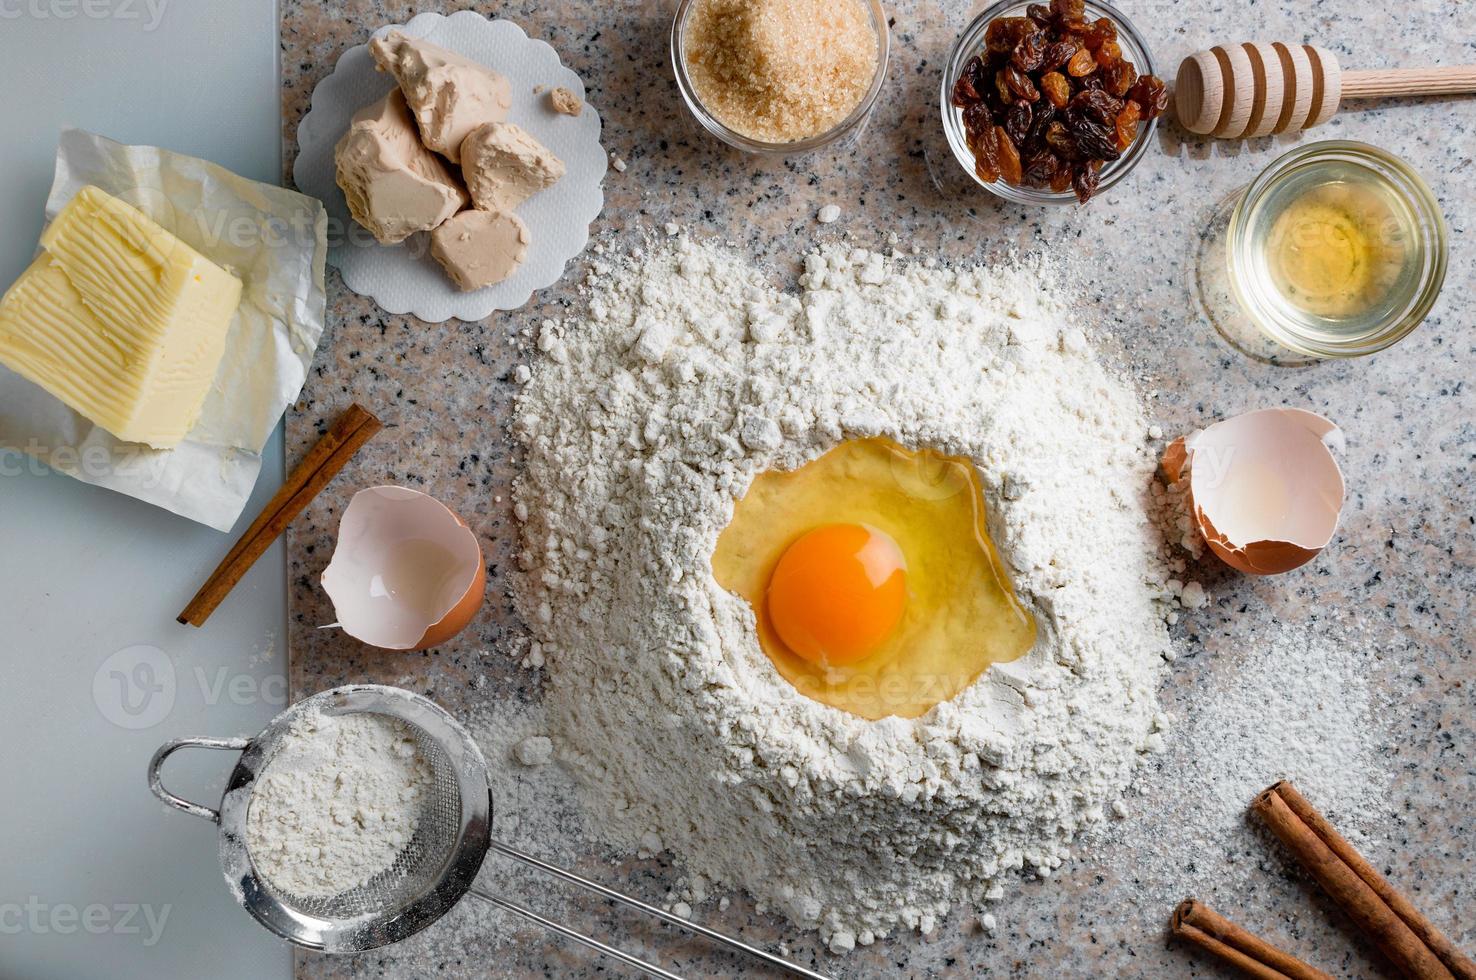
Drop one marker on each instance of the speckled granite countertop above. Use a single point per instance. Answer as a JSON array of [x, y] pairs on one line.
[[1402, 568]]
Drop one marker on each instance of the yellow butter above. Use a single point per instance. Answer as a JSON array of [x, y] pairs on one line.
[[120, 320]]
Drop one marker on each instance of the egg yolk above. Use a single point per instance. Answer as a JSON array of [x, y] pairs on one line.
[[838, 593], [874, 584]]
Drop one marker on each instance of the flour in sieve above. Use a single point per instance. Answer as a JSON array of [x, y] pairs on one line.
[[649, 416], [337, 803]]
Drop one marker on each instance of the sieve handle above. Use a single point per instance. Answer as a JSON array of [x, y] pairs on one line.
[[156, 780], [648, 968], [609, 894]]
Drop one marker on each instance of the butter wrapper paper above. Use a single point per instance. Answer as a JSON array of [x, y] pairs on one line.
[[276, 242]]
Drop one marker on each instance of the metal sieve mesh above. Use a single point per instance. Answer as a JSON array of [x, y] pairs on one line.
[[417, 868], [435, 870], [427, 878]]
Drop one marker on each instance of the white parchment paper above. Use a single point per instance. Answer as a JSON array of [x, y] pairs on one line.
[[275, 241], [405, 278]]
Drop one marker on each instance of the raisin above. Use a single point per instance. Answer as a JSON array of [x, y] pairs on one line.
[[1119, 77], [1081, 63], [1150, 94], [1068, 9], [1019, 84], [1126, 124], [1030, 52], [1003, 34], [971, 137], [1061, 141], [1057, 54], [970, 85], [1042, 166], [1100, 105], [1045, 114], [996, 95], [1084, 180], [964, 93], [1009, 158], [1099, 31], [1051, 99], [975, 118], [986, 154], [1094, 140], [1017, 121], [1056, 88], [1006, 97]]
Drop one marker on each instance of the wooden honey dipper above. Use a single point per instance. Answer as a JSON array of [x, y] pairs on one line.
[[1256, 89]]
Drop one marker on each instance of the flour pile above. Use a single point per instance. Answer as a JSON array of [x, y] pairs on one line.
[[337, 803], [650, 416]]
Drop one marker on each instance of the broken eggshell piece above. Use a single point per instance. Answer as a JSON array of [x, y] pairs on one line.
[[1264, 488], [407, 573]]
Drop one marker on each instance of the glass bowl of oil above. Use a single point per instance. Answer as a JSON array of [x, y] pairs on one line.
[[1338, 249]]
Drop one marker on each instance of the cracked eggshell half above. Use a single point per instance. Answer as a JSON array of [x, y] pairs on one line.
[[407, 573], [1264, 488]]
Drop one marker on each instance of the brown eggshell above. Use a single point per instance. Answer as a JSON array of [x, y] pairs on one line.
[[1174, 459], [1281, 455], [460, 617], [394, 544], [1257, 558]]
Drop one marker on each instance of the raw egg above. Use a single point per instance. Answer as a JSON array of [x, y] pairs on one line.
[[873, 581], [838, 593]]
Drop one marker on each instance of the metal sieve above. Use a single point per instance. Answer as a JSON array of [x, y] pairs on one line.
[[434, 872]]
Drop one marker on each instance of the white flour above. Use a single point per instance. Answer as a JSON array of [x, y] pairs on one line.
[[337, 804], [651, 415], [1287, 704]]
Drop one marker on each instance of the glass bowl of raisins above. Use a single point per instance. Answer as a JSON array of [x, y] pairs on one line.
[[1050, 103]]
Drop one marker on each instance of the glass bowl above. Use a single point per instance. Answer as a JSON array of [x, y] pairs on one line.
[[971, 42], [1415, 224], [846, 131]]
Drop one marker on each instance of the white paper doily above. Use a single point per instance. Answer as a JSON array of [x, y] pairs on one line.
[[405, 278]]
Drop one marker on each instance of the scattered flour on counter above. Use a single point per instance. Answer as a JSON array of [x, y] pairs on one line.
[[337, 803], [1287, 704], [536, 750], [1172, 503], [650, 416], [1299, 708]]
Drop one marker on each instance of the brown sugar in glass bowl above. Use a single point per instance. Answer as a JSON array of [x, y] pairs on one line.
[[780, 76]]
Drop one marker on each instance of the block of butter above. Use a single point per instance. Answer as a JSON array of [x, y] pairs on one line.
[[119, 319]]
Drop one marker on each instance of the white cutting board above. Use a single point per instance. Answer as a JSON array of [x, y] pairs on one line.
[[99, 879]]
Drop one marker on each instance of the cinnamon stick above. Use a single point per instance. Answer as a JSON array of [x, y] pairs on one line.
[[1199, 924], [330, 454], [1380, 910]]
